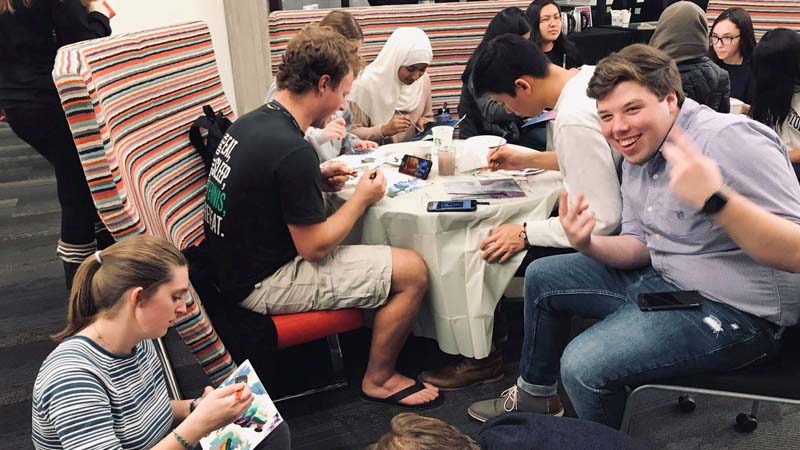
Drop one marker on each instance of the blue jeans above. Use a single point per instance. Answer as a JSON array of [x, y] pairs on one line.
[[628, 346]]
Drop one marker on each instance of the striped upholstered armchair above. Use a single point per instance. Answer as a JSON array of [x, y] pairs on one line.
[[130, 100]]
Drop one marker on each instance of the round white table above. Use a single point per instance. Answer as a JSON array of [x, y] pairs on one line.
[[463, 289]]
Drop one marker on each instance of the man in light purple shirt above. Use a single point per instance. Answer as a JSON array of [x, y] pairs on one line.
[[665, 245]]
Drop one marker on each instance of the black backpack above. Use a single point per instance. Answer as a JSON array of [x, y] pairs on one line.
[[216, 125]]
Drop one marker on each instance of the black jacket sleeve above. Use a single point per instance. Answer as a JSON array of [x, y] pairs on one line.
[[74, 24]]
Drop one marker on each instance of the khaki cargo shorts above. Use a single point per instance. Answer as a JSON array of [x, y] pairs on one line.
[[352, 276]]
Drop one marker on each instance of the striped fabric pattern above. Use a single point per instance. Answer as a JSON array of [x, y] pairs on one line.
[[130, 100], [87, 398], [766, 14], [455, 30]]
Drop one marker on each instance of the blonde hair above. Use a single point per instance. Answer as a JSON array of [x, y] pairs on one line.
[[7, 6], [102, 279], [414, 432], [343, 23]]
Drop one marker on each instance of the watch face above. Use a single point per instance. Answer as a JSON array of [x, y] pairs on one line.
[[714, 203]]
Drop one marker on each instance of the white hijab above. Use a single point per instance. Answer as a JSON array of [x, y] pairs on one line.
[[378, 91]]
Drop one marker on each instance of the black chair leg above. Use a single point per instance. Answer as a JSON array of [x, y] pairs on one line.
[[746, 423], [686, 403]]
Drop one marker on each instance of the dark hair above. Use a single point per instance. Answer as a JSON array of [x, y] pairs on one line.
[[137, 261], [343, 23], [641, 63], [312, 53], [747, 37], [776, 72], [503, 60], [508, 20], [561, 44], [414, 432]]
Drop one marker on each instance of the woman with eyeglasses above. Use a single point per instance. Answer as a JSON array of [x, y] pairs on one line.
[[776, 97], [732, 43], [546, 23], [391, 100]]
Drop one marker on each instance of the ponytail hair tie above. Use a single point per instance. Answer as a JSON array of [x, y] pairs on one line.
[[97, 257]]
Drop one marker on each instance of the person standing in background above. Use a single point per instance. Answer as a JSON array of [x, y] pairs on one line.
[[31, 31]]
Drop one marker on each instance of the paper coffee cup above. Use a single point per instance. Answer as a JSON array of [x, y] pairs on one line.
[[442, 136]]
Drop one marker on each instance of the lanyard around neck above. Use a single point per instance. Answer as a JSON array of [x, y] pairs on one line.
[[276, 106]]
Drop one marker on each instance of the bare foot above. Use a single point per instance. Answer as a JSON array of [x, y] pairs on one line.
[[397, 383]]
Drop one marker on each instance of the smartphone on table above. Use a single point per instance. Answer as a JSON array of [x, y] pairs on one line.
[[416, 167], [660, 301], [453, 205]]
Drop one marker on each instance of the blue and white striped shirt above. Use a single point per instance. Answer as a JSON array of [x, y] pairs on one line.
[[691, 251], [88, 398]]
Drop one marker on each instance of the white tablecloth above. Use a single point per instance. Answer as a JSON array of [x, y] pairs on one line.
[[463, 289]]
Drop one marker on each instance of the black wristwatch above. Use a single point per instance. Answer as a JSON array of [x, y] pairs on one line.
[[192, 405], [715, 203]]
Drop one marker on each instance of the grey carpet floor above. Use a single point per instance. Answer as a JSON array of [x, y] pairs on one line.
[[33, 298]]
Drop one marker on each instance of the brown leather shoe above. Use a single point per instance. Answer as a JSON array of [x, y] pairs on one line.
[[466, 372]]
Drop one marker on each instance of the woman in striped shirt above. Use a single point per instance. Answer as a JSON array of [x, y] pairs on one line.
[[103, 386]]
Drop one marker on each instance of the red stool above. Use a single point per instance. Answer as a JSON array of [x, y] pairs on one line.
[[300, 328]]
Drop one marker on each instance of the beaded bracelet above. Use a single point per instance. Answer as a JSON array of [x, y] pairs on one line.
[[182, 441]]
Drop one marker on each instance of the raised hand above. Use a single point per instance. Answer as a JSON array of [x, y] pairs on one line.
[[693, 177], [576, 220]]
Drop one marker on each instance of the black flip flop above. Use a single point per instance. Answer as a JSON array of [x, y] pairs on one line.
[[394, 399]]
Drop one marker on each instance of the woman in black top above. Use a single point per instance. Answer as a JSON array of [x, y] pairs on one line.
[[545, 18], [732, 42], [31, 31]]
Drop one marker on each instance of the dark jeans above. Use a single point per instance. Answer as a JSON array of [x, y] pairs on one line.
[[628, 346], [46, 130]]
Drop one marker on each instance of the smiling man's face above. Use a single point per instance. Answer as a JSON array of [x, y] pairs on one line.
[[635, 122]]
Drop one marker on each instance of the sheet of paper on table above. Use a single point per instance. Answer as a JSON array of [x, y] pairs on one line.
[[399, 184], [362, 161], [484, 188]]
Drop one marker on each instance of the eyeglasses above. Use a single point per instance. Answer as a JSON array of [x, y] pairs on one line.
[[726, 40]]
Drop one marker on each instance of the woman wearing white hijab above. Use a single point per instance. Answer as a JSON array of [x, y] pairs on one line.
[[391, 100]]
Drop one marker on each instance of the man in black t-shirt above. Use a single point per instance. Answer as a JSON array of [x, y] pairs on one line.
[[275, 251]]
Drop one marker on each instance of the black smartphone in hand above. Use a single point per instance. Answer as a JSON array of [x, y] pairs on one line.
[[661, 301]]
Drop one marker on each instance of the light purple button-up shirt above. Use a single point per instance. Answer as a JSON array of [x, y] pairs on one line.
[[691, 251]]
